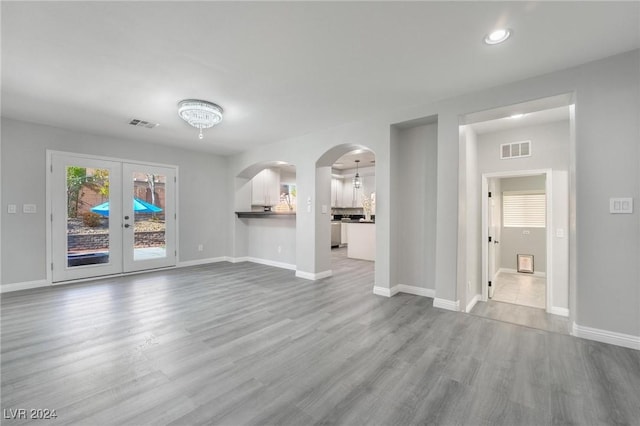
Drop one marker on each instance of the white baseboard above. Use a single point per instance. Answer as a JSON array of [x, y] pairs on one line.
[[555, 310], [202, 261], [7, 288], [446, 304], [418, 291], [473, 302], [272, 263], [237, 259], [604, 336], [514, 271], [314, 276], [386, 292], [403, 288]]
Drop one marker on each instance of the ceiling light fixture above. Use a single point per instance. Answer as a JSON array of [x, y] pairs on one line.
[[357, 183], [200, 114], [497, 36]]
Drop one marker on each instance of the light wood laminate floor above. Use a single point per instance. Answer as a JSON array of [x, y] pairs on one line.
[[521, 289], [237, 344]]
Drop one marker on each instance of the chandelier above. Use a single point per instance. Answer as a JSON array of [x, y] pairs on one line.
[[357, 183], [200, 114]]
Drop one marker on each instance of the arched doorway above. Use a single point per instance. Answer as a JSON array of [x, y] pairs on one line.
[[265, 205], [345, 187]]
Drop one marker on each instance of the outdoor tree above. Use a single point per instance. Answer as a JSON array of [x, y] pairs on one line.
[[77, 179]]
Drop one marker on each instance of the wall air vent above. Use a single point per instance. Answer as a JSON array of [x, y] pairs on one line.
[[142, 123], [515, 150]]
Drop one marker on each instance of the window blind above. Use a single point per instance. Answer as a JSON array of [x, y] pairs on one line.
[[522, 210]]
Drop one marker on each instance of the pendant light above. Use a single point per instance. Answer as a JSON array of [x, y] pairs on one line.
[[356, 179]]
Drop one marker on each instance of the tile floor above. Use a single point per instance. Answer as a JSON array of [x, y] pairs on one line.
[[521, 289]]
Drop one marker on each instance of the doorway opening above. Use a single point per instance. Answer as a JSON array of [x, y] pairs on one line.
[[266, 202], [346, 175], [515, 218], [515, 243]]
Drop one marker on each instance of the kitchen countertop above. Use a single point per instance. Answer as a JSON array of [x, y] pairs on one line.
[[258, 214]]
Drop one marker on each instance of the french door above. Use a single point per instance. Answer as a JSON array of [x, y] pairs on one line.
[[109, 217]]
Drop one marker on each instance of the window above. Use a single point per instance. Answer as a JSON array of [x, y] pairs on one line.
[[523, 209]]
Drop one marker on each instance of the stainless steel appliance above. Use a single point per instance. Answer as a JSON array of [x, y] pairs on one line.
[[336, 232]]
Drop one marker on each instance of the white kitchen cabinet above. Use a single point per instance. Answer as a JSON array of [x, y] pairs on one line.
[[344, 234], [265, 188], [347, 193], [336, 192]]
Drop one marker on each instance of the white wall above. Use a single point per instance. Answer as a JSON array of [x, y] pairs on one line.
[[414, 182], [202, 189]]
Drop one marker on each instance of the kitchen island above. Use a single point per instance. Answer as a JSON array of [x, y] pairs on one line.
[[362, 240]]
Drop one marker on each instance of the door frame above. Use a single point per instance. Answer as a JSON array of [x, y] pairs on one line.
[[549, 228], [49, 211]]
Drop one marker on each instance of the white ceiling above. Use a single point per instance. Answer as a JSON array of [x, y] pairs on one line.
[[348, 161], [279, 69], [529, 119]]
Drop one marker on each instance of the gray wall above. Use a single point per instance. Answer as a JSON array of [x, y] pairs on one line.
[[414, 182], [202, 189], [272, 240], [607, 164], [469, 281], [550, 150], [607, 94], [514, 241]]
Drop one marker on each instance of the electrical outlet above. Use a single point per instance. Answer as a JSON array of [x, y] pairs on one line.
[[279, 249], [28, 208], [200, 247], [12, 208]]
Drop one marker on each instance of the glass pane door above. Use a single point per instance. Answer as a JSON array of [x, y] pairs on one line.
[[86, 241], [149, 217]]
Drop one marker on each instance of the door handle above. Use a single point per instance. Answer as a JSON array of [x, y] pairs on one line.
[[126, 225]]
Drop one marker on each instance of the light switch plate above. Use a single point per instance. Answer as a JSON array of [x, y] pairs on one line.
[[12, 208], [621, 205], [28, 208], [324, 209]]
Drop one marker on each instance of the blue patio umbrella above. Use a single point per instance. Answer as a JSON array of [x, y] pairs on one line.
[[139, 206]]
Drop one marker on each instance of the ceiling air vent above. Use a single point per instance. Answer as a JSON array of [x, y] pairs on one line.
[[142, 123], [515, 150]]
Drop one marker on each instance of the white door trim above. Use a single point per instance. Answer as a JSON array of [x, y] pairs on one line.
[[49, 211], [549, 228]]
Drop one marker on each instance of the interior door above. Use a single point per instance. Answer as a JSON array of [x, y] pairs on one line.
[[85, 243], [493, 223], [149, 217]]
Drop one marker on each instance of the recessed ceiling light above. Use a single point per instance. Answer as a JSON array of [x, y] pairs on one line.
[[516, 116], [497, 36]]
